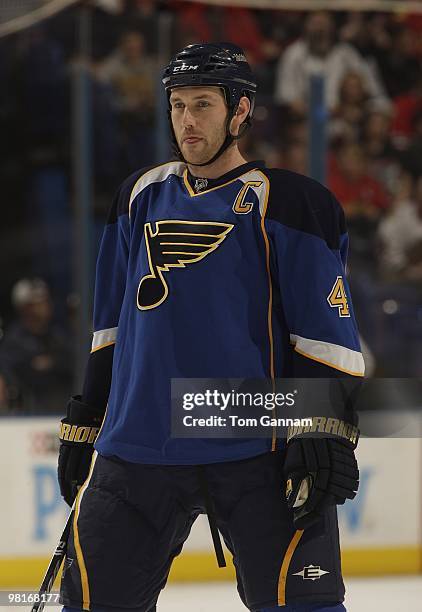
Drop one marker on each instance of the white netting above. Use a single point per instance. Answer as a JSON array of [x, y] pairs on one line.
[[16, 15]]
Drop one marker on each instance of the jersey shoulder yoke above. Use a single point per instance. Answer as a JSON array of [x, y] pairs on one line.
[[302, 203]]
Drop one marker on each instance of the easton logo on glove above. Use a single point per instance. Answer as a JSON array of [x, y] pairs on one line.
[[78, 433]]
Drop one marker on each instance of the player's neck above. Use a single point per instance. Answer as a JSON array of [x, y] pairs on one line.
[[229, 160]]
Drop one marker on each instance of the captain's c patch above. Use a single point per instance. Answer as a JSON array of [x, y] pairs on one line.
[[174, 244], [243, 205]]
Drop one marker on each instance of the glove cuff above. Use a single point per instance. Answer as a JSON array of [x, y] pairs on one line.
[[324, 427], [82, 423], [79, 412]]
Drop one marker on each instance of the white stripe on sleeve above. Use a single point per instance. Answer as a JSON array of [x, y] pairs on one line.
[[103, 337], [333, 355]]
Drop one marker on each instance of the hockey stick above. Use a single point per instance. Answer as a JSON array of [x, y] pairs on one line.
[[53, 568]]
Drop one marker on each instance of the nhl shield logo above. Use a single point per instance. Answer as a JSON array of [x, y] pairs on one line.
[[200, 184]]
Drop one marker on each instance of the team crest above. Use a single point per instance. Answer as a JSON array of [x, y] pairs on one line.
[[175, 244]]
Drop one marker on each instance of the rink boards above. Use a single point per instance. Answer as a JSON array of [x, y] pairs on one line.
[[380, 529]]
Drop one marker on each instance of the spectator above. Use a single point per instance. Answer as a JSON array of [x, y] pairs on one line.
[[44, 89], [400, 67], [142, 15], [382, 155], [347, 118], [317, 52], [412, 158], [235, 24], [400, 235], [44, 112], [407, 109], [364, 200], [295, 157], [369, 34], [297, 131], [279, 29], [35, 359], [105, 22], [131, 75], [360, 194]]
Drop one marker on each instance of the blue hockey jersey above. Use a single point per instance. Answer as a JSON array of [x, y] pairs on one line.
[[244, 278]]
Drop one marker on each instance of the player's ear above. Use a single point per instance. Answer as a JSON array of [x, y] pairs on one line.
[[240, 115], [243, 108]]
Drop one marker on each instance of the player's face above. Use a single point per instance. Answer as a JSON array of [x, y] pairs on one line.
[[199, 121]]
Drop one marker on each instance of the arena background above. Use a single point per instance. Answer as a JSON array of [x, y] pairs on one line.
[[81, 107]]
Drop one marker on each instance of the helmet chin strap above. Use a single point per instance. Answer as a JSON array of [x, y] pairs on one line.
[[229, 139]]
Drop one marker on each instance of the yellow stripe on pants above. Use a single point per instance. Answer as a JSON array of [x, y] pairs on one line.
[[79, 554], [285, 567]]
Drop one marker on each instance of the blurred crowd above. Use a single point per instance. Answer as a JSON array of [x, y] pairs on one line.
[[35, 353], [372, 64]]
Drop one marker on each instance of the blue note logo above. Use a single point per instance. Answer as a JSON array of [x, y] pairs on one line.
[[175, 244]]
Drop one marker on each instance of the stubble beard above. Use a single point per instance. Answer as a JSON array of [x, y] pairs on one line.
[[205, 152], [198, 154]]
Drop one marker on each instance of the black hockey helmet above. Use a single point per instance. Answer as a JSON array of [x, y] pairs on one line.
[[217, 64]]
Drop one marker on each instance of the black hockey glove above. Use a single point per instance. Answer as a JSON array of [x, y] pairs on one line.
[[320, 471], [78, 432]]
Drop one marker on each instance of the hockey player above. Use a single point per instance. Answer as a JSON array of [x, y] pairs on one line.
[[210, 266]]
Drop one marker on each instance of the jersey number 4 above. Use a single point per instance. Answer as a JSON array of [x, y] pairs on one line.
[[338, 298]]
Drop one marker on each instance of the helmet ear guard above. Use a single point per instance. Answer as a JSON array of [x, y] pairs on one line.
[[222, 65]]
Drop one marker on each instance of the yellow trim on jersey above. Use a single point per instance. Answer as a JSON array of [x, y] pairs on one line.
[[327, 363], [195, 195], [285, 567], [97, 348], [187, 185], [270, 287], [199, 244], [79, 554]]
